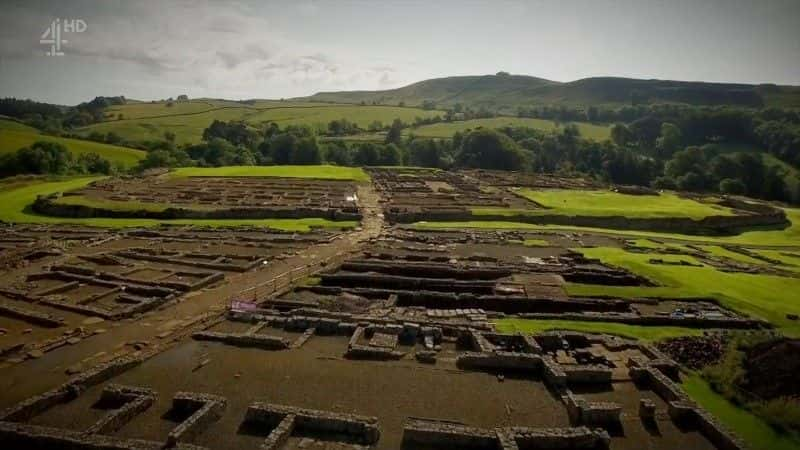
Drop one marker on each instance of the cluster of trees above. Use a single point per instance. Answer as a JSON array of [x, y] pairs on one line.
[[693, 169], [52, 158]]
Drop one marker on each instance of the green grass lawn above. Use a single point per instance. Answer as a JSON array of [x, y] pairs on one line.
[[535, 242], [573, 202], [789, 236], [716, 250], [15, 207], [14, 136], [755, 432], [446, 130], [769, 297], [321, 172], [619, 329], [187, 120]]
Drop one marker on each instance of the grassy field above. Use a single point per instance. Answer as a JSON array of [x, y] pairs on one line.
[[446, 130], [619, 329], [716, 250], [149, 121], [14, 136], [766, 296], [757, 433], [320, 172], [789, 236], [572, 202], [15, 207]]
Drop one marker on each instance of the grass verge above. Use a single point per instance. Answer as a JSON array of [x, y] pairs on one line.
[[757, 433], [769, 297], [619, 329], [571, 202], [787, 237]]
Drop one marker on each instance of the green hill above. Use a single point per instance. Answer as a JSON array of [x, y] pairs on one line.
[[15, 135], [506, 92]]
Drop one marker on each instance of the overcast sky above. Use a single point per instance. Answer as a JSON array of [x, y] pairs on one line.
[[273, 49]]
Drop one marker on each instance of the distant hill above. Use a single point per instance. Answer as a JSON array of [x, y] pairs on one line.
[[507, 92]]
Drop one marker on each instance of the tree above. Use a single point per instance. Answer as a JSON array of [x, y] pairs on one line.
[[669, 140], [488, 149], [691, 181], [390, 155], [282, 147], [237, 133], [774, 187], [395, 132], [336, 152], [620, 134], [724, 167], [692, 159], [732, 186], [366, 155], [165, 158], [306, 152], [646, 130], [44, 157], [94, 163], [425, 153], [591, 114]]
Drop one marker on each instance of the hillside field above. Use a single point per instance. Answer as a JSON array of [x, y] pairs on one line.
[[446, 130], [14, 135], [149, 121]]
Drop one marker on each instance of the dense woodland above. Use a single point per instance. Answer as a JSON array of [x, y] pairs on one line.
[[734, 150]]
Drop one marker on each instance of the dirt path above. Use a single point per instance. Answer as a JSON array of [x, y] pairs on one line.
[[157, 330]]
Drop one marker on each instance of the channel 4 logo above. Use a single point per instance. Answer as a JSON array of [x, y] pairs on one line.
[[52, 34]]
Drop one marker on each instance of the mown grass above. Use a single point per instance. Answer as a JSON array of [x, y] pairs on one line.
[[792, 262], [757, 433], [722, 252], [535, 243], [324, 172], [14, 137], [632, 331], [789, 236], [573, 202], [768, 297], [15, 207], [446, 130]]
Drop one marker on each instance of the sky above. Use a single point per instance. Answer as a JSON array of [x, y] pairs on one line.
[[149, 49]]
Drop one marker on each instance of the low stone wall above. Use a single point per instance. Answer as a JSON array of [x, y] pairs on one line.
[[244, 340], [510, 361], [34, 437], [435, 434], [363, 429], [205, 408], [30, 316], [27, 409], [595, 414], [136, 400]]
